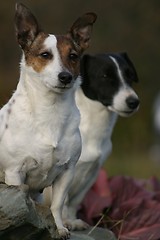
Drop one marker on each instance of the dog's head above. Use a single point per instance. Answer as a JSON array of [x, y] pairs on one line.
[[108, 78], [53, 59]]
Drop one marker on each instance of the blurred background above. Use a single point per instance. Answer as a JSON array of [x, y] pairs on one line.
[[132, 26]]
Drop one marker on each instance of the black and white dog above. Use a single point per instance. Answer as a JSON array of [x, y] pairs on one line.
[[105, 93]]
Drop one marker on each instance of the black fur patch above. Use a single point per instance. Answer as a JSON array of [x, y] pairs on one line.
[[100, 79]]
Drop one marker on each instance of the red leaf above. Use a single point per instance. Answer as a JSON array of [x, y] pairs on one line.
[[135, 206], [124, 188], [146, 233]]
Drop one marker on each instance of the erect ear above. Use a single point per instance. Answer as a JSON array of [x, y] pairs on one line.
[[81, 30], [126, 57], [26, 26]]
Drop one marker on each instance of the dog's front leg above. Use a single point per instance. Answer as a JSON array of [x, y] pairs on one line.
[[13, 177], [60, 189]]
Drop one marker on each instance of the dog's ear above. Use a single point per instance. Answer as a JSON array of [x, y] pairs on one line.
[[81, 30], [126, 57], [86, 70], [84, 62], [26, 26]]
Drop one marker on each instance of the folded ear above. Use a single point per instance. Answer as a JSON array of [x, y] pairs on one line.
[[26, 26], [81, 30], [128, 60], [84, 64]]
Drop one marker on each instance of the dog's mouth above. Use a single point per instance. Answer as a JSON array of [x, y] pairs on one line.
[[59, 88], [63, 87], [126, 113]]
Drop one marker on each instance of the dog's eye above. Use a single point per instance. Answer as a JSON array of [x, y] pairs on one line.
[[104, 77], [46, 55], [73, 56]]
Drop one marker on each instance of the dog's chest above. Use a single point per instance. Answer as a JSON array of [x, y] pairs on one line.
[[96, 128], [41, 148], [96, 138], [55, 152]]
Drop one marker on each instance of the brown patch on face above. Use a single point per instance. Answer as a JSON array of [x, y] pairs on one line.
[[70, 54], [35, 56]]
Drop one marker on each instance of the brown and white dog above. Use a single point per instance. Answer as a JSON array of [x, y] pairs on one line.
[[40, 141]]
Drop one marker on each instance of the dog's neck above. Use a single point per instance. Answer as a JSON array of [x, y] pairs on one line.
[[96, 112]]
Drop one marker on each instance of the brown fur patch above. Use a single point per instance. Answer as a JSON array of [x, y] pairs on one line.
[[66, 47], [33, 57]]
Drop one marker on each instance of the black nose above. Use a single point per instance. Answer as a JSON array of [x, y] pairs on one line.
[[132, 102], [65, 77]]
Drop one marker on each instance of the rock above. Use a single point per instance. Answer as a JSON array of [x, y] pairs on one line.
[[93, 234], [22, 219], [1, 175], [80, 236]]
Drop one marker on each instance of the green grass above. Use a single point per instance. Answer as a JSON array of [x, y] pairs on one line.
[[138, 165]]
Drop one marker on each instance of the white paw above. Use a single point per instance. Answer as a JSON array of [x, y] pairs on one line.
[[76, 224], [64, 233]]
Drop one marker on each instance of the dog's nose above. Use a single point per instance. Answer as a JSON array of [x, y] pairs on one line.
[[65, 77], [132, 102]]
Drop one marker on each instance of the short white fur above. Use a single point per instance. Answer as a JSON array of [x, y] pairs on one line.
[[35, 126]]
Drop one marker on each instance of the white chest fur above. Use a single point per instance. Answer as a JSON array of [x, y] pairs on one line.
[[96, 128], [38, 139]]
